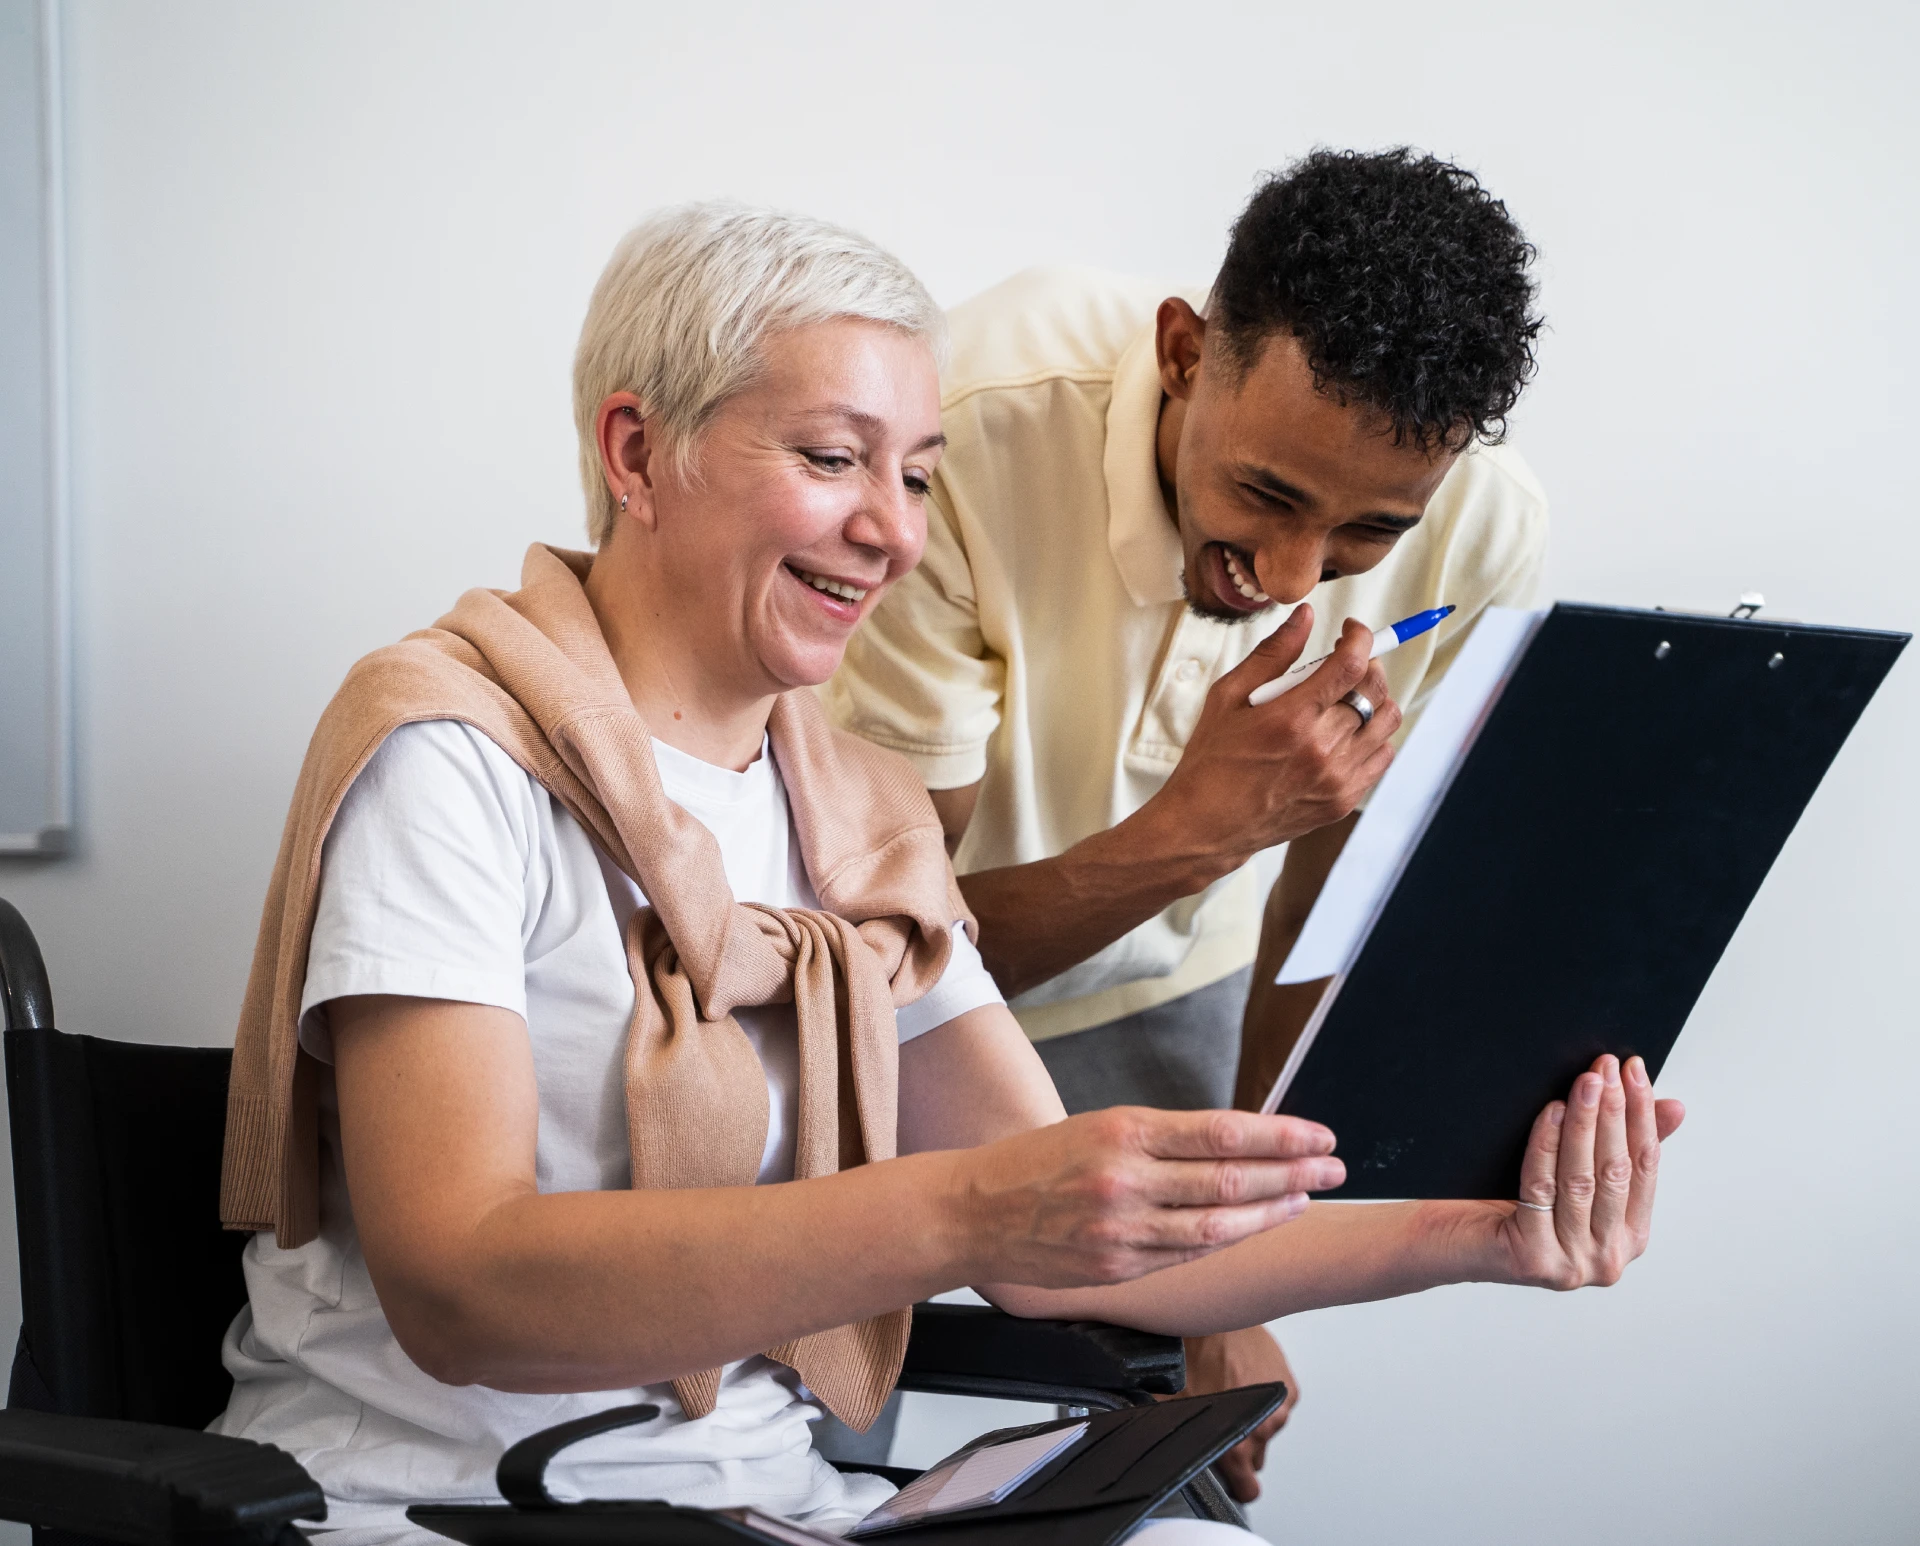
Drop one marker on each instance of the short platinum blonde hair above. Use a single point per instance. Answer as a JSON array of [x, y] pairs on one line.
[[682, 313]]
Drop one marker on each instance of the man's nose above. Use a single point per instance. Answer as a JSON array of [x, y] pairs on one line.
[[1287, 571]]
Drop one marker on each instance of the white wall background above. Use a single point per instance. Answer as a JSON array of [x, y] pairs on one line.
[[328, 264]]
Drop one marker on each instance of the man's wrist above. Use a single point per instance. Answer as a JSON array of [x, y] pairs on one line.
[[1160, 836]]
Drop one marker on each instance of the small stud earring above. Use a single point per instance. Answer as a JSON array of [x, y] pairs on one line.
[[623, 501]]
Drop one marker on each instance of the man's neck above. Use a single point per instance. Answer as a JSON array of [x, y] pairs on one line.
[[670, 680]]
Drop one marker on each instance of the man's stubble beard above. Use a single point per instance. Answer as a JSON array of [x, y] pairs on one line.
[[1212, 614]]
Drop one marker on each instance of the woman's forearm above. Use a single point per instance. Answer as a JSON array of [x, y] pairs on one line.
[[1584, 1213], [594, 1290], [1335, 1253], [487, 1280]]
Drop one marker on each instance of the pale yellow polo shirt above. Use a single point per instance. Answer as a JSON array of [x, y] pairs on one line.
[[1043, 647]]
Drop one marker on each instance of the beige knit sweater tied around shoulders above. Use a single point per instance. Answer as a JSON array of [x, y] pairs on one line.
[[531, 671]]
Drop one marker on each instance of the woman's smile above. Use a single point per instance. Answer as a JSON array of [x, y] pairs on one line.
[[838, 598]]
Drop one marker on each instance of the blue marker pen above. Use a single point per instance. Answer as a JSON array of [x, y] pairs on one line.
[[1388, 638]]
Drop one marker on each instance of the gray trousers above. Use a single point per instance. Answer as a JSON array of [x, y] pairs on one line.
[[1180, 1056]]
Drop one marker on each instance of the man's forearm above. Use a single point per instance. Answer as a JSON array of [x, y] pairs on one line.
[[1037, 920]]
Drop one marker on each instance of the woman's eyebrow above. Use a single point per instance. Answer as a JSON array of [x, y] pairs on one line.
[[868, 424]]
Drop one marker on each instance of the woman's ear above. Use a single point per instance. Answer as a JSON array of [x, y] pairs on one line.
[[628, 445]]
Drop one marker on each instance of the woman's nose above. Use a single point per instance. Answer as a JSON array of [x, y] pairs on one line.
[[888, 518]]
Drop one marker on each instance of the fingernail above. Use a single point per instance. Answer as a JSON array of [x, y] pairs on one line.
[[1557, 1112], [1589, 1092], [1637, 1070], [1613, 1070]]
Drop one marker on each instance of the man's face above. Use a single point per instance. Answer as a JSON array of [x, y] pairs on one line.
[[1277, 486]]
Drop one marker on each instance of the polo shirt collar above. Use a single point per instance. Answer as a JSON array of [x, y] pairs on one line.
[[1141, 533]]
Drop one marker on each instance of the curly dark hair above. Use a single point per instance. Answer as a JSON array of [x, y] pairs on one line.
[[1403, 278]]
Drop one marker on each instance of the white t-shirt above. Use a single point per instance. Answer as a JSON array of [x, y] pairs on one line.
[[449, 873]]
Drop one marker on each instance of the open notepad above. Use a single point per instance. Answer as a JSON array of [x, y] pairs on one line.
[[990, 1474], [1551, 869]]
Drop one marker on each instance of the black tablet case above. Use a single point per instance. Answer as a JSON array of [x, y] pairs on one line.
[[1129, 1462], [1604, 835]]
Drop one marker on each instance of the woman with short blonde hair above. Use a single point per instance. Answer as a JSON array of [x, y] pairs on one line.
[[615, 1031]]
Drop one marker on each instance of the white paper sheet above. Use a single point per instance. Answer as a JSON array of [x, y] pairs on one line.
[[1405, 800]]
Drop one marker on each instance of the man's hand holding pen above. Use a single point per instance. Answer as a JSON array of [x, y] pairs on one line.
[[1252, 777]]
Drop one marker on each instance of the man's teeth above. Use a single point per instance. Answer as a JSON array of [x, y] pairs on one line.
[[1241, 582], [838, 588]]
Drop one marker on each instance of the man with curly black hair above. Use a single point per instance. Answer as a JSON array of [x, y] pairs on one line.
[[1148, 506]]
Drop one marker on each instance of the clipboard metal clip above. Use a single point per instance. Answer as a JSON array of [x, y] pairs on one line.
[[1750, 603]]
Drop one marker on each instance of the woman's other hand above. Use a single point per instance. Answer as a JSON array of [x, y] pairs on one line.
[[1112, 1195], [1587, 1182]]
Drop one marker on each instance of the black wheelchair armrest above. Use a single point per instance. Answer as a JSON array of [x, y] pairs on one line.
[[975, 1350], [150, 1485]]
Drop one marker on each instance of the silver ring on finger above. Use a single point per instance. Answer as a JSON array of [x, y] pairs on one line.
[[1361, 704], [1538, 1207]]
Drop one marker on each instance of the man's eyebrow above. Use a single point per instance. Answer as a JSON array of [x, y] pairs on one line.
[[869, 424], [1267, 483], [1396, 523]]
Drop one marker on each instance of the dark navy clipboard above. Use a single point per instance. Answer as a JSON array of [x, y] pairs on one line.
[[1607, 828]]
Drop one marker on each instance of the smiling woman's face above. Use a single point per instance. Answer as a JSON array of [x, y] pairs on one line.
[[806, 502]]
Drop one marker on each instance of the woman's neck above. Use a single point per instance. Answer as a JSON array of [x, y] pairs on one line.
[[669, 678]]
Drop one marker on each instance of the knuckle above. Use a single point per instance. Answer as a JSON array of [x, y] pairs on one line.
[[1211, 1230], [1226, 1133], [1579, 1186], [1646, 1164], [1231, 1183], [1617, 1173], [1539, 1193]]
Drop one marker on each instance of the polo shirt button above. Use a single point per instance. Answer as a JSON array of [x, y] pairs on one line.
[[1189, 669]]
